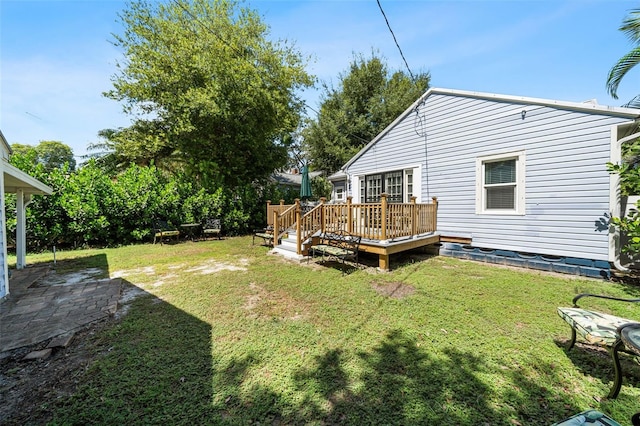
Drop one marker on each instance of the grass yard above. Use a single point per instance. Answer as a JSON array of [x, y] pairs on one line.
[[225, 334]]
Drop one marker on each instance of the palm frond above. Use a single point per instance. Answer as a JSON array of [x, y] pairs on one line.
[[633, 103], [620, 69], [631, 26]]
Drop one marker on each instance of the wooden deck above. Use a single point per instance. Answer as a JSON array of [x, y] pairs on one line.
[[385, 228], [385, 250]]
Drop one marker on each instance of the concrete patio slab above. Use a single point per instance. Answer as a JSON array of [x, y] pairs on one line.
[[42, 305]]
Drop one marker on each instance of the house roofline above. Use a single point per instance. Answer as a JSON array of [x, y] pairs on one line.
[[630, 113], [5, 142], [20, 180]]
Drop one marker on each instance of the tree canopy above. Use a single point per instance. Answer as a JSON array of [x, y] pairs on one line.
[[208, 91], [368, 98], [51, 154]]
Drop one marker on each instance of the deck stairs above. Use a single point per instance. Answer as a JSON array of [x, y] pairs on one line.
[[288, 246]]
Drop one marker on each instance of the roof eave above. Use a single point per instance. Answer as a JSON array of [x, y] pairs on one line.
[[630, 113]]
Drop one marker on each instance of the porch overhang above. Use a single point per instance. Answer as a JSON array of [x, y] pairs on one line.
[[16, 180]]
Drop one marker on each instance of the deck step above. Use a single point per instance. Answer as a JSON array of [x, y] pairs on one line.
[[288, 247], [287, 253], [289, 243]]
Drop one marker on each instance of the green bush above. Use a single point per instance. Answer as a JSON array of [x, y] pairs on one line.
[[90, 208]]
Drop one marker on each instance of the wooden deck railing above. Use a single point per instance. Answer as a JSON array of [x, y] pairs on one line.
[[311, 223], [285, 220], [376, 221], [275, 208], [382, 221]]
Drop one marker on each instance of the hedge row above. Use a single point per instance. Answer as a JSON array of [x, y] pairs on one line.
[[90, 208]]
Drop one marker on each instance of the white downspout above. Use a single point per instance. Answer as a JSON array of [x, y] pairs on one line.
[[22, 201], [615, 198]]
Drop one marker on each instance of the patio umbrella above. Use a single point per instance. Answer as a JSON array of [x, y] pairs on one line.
[[305, 188]]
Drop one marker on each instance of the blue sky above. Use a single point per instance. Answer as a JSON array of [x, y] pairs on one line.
[[56, 58]]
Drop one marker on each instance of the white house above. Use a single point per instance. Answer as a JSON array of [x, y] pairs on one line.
[[15, 181], [515, 177]]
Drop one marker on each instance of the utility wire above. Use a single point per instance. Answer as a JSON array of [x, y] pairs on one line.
[[394, 39]]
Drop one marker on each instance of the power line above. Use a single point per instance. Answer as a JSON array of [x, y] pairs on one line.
[[394, 39]]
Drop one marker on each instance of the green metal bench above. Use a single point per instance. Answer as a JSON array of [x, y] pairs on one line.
[[162, 230], [603, 330], [266, 234], [340, 244], [212, 228]]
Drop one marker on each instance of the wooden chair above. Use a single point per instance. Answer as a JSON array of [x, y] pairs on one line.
[[162, 230]]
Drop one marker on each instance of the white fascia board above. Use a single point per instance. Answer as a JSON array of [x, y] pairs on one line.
[[573, 106], [28, 184], [5, 143], [630, 113]]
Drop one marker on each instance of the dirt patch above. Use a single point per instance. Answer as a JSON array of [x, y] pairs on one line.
[[212, 267], [27, 388], [70, 278], [261, 303], [394, 290]]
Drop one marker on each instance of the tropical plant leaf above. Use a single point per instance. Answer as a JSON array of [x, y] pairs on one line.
[[620, 69]]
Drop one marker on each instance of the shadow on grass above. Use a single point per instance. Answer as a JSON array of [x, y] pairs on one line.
[[80, 263], [154, 367], [400, 384], [346, 267], [397, 260], [630, 283], [596, 362], [397, 382]]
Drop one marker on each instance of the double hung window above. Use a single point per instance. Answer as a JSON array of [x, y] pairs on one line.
[[500, 184]]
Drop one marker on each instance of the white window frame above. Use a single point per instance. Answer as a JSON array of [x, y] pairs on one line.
[[358, 182], [519, 208], [340, 194], [409, 187]]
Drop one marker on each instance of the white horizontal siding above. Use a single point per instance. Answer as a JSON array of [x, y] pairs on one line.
[[567, 183]]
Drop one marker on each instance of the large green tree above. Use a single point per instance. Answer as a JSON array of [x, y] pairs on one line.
[[51, 154], [631, 27], [368, 98], [209, 92]]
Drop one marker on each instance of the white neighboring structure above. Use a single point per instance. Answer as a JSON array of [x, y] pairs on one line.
[[339, 187], [15, 181], [513, 174]]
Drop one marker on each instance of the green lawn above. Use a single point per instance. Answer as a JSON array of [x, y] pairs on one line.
[[226, 334]]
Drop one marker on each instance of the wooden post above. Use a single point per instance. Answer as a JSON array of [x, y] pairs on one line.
[[435, 214], [383, 262], [322, 214], [276, 228], [414, 216], [349, 215], [298, 227], [383, 215], [269, 214]]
